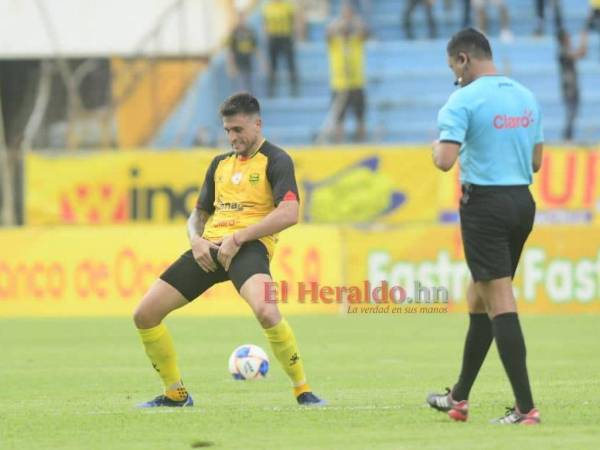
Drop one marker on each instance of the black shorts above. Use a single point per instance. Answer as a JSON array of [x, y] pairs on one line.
[[495, 222], [354, 98], [190, 280]]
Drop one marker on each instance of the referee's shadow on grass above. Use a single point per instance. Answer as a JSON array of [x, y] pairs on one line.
[[202, 444]]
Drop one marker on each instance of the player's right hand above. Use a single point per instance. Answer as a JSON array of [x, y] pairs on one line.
[[201, 251]]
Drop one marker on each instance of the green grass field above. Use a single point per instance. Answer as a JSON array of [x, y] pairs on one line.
[[73, 384]]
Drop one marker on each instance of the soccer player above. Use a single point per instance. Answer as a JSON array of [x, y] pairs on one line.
[[248, 196], [494, 124]]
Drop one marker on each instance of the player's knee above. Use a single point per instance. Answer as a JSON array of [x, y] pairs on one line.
[[144, 318], [267, 315]]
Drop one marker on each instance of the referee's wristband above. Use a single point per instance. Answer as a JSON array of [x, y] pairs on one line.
[[235, 241]]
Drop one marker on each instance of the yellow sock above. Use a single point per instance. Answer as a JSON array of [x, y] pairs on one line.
[[301, 389], [161, 351], [283, 344]]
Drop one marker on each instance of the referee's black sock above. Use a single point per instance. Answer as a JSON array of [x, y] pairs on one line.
[[511, 346], [477, 343]]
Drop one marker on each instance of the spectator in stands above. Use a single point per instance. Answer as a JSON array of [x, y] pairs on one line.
[[242, 49], [567, 58], [346, 37], [540, 10], [279, 18], [363, 8], [594, 17], [302, 10], [466, 13], [407, 19], [482, 17], [448, 14]]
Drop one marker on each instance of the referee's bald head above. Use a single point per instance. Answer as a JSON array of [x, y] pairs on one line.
[[471, 42]]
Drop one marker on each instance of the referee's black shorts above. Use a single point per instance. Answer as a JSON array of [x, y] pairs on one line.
[[495, 222], [190, 280]]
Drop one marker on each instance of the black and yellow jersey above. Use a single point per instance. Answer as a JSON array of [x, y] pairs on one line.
[[279, 18], [239, 192], [242, 43], [347, 56]]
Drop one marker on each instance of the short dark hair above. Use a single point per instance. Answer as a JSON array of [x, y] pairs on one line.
[[240, 103], [470, 41]]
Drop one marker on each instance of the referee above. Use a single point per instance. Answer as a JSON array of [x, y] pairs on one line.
[[494, 125]]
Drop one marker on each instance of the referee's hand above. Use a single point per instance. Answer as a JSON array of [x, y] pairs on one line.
[[201, 251], [227, 250]]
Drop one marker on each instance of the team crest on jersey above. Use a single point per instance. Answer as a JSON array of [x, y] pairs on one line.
[[236, 178], [254, 178]]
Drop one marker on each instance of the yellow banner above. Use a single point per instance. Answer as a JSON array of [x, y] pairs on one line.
[[566, 190], [336, 186], [113, 188], [559, 270], [68, 271], [342, 185]]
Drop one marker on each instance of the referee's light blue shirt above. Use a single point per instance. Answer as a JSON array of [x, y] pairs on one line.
[[497, 122]]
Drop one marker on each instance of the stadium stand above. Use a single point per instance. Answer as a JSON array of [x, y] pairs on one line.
[[407, 80]]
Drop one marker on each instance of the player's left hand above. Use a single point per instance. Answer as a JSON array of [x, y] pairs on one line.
[[227, 250]]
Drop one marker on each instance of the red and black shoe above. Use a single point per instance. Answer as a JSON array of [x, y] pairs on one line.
[[458, 411], [514, 416]]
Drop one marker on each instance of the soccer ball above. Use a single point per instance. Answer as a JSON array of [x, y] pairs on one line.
[[248, 362]]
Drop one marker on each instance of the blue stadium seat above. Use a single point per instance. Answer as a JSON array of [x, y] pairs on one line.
[[408, 81]]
